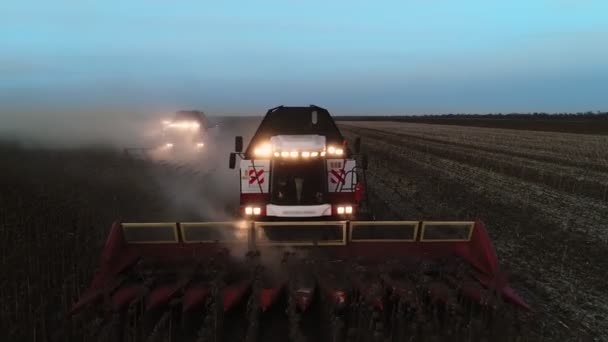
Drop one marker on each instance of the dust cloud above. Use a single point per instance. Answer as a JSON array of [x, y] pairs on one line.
[[200, 186], [191, 187], [195, 186], [77, 130]]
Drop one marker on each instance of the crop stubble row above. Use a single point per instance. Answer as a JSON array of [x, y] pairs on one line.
[[55, 208], [537, 229], [561, 148], [572, 178]]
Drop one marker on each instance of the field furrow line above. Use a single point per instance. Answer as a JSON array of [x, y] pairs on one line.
[[587, 183], [591, 215], [571, 180], [521, 229], [583, 152], [581, 147]]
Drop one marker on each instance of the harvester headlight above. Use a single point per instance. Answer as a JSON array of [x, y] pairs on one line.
[[183, 124], [168, 145], [305, 154], [277, 154], [253, 210], [284, 154], [334, 151], [200, 144], [293, 154], [314, 154], [348, 209], [263, 150], [323, 154]]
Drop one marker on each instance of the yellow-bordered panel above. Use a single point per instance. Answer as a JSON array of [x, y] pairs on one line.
[[262, 240], [466, 228], [149, 233], [222, 231], [412, 225]]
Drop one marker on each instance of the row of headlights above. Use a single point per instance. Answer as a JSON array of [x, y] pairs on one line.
[[182, 124], [266, 150], [335, 151], [296, 154], [341, 210], [344, 210], [198, 145], [253, 211]]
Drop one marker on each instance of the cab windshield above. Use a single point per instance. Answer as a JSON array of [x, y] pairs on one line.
[[298, 182]]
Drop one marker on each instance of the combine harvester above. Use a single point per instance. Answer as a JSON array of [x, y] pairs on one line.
[[182, 137], [303, 252]]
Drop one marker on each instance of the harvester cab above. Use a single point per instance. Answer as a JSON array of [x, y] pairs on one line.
[[298, 165], [183, 137], [299, 236], [186, 131]]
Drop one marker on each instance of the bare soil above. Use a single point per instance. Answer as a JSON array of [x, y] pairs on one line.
[[552, 238], [542, 197]]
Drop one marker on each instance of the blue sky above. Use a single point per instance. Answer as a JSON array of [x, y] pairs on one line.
[[359, 57]]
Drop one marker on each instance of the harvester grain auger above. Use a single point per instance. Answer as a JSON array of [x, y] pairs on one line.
[[300, 253]]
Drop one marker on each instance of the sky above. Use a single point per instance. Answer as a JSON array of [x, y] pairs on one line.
[[352, 57]]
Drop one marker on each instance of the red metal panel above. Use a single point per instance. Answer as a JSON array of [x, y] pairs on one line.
[[118, 256], [303, 298], [253, 199], [160, 296], [232, 294], [341, 198], [125, 295], [195, 296], [268, 296]]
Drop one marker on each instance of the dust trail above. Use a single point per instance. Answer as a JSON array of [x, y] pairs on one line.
[[201, 186], [197, 186], [77, 130]]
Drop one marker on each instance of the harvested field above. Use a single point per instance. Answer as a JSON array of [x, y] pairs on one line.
[[55, 210], [542, 196], [588, 123]]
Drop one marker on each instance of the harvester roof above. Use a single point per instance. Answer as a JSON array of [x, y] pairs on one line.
[[282, 120]]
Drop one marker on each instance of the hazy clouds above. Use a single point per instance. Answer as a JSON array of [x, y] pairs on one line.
[[352, 57]]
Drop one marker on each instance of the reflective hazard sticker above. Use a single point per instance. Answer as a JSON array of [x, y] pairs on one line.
[[337, 176], [256, 176]]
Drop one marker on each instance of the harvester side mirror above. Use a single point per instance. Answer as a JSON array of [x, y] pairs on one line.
[[232, 162], [357, 145], [238, 144], [364, 162]]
